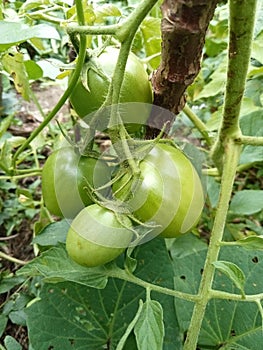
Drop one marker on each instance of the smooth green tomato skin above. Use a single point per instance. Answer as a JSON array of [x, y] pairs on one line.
[[135, 88], [96, 237], [169, 192], [64, 181]]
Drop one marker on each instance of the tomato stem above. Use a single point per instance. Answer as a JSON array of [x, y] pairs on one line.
[[95, 30], [250, 140], [241, 29], [127, 276], [232, 152], [12, 259], [226, 151], [201, 127], [130, 327]]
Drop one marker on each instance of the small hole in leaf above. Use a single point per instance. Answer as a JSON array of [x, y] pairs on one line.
[[255, 259], [233, 333], [182, 277], [72, 341], [201, 271], [50, 347]]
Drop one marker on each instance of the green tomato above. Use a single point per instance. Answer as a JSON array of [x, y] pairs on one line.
[[135, 88], [168, 192], [64, 181], [97, 237]]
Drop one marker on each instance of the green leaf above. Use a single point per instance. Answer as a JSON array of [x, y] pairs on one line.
[[257, 48], [3, 323], [130, 262], [11, 343], [259, 19], [50, 67], [13, 33], [18, 317], [151, 33], [247, 202], [9, 282], [6, 155], [251, 125], [149, 329], [14, 65], [254, 90], [55, 266], [33, 70], [5, 123], [188, 255], [216, 84], [154, 265], [53, 233], [213, 189], [106, 10], [251, 243], [74, 315], [252, 340], [233, 272]]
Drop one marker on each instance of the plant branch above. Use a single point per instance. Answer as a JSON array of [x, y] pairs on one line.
[[232, 152], [218, 294], [22, 176], [242, 17], [122, 30], [201, 127], [126, 276], [126, 35], [226, 152], [250, 140], [130, 327], [95, 30], [12, 259]]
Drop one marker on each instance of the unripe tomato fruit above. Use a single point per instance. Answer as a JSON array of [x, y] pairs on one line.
[[135, 88], [169, 191], [96, 237], [64, 180]]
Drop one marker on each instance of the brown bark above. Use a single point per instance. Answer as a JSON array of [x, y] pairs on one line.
[[184, 26]]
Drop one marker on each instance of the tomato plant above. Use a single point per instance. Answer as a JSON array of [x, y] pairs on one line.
[[169, 191], [96, 236], [87, 97], [65, 178], [190, 292]]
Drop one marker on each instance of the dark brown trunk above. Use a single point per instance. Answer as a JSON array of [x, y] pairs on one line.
[[184, 26]]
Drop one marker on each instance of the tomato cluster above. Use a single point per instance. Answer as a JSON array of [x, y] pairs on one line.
[[168, 193], [166, 196]]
